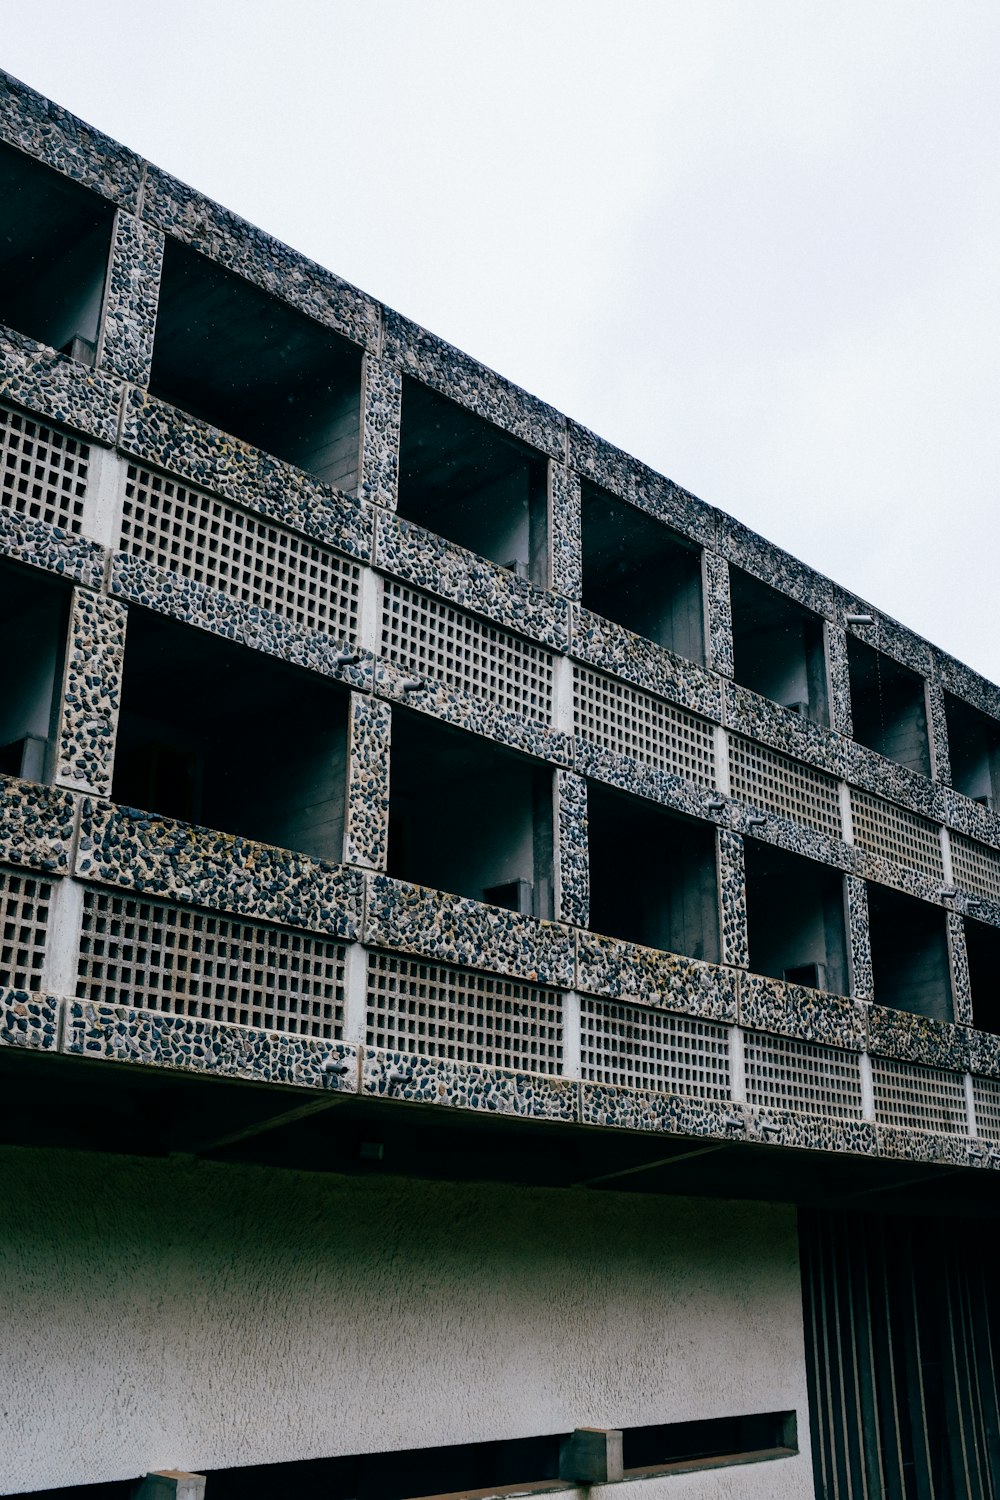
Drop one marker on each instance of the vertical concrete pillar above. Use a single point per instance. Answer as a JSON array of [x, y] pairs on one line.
[[572, 866], [381, 405], [859, 937], [62, 938], [841, 717], [565, 535], [961, 988], [937, 733], [91, 693], [126, 343], [718, 614], [107, 476], [366, 830], [733, 899]]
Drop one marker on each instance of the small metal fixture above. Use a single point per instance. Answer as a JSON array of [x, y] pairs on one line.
[[400, 1075], [756, 820], [947, 893], [371, 1150], [347, 658], [859, 619], [716, 804], [412, 685], [734, 1122], [770, 1127], [336, 1065]]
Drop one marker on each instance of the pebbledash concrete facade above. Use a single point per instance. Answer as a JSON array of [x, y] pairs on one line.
[[492, 948]]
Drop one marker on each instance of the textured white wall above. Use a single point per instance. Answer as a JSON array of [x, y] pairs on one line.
[[166, 1313]]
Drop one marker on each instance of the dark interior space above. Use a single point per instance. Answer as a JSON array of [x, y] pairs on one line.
[[466, 480], [34, 618], [910, 963], [778, 648], [974, 751], [55, 241], [212, 733], [888, 705], [468, 817], [227, 352], [982, 944], [795, 919], [652, 875], [641, 574]]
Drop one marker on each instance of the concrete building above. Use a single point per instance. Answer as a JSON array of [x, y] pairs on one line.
[[499, 961]]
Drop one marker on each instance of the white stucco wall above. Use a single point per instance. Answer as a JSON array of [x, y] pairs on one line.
[[182, 1314]]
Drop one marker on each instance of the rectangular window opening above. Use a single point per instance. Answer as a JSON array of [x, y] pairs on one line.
[[54, 256], [778, 648], [468, 481], [229, 353]]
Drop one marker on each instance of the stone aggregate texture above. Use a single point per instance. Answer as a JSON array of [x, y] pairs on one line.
[[74, 827]]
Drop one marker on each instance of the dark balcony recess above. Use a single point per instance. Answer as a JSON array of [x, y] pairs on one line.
[[910, 962], [795, 919], [888, 707], [466, 480], [652, 875], [214, 734], [778, 648], [468, 817], [227, 352], [641, 574], [55, 242], [34, 614]]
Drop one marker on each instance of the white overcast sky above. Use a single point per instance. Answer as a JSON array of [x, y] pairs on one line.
[[754, 242]]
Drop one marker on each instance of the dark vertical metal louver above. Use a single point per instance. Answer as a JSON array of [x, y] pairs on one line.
[[902, 1318]]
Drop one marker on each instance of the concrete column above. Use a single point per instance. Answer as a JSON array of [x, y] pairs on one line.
[[937, 733], [125, 347], [961, 989], [366, 829], [381, 406], [356, 996], [91, 693], [859, 936], [565, 535], [571, 1045], [732, 899], [718, 613], [102, 505], [841, 717], [572, 865], [62, 939]]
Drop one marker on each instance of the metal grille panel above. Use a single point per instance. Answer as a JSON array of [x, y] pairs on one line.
[[43, 473], [919, 1098], [986, 1097], [895, 834], [623, 719], [636, 1047], [181, 530], [209, 966], [436, 640], [24, 918], [783, 786], [464, 1016], [975, 868], [786, 1074]]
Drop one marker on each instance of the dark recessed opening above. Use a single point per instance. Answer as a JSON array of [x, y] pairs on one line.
[[227, 352], [55, 241], [641, 574], [795, 919], [888, 706], [718, 1438], [974, 750], [982, 944], [212, 733], [910, 964], [468, 817], [652, 875], [34, 617], [463, 478], [778, 648]]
